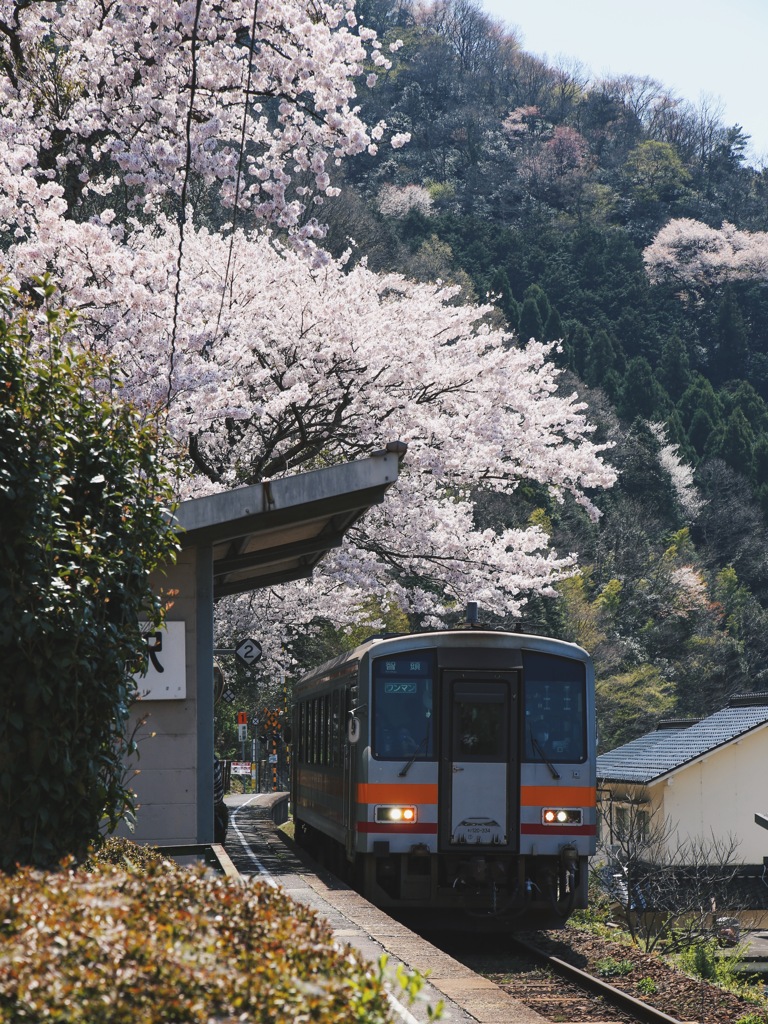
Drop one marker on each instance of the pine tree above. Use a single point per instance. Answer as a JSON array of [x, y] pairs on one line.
[[735, 444], [731, 355], [553, 328], [674, 370], [641, 394], [700, 431], [530, 325], [600, 358]]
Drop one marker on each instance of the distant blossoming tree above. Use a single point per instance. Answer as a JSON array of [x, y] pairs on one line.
[[695, 255], [397, 202]]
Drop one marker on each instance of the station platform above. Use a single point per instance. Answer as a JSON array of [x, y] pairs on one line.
[[258, 849]]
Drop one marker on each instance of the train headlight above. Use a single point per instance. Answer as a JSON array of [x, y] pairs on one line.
[[396, 813], [561, 816]]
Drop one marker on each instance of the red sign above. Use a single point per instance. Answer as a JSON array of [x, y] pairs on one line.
[[242, 718]]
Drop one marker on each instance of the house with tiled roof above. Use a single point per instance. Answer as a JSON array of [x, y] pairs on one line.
[[707, 778]]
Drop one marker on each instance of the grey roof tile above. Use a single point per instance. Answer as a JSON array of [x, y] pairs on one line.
[[666, 749]]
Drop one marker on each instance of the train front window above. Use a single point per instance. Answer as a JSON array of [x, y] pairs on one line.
[[555, 722], [403, 717]]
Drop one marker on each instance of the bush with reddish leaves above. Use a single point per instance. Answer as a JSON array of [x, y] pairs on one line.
[[153, 943]]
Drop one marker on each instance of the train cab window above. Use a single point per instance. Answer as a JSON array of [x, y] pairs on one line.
[[479, 723], [403, 715], [555, 723]]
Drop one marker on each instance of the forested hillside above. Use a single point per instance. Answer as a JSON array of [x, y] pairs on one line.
[[615, 216]]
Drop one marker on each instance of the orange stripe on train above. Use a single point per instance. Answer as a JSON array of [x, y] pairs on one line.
[[558, 796], [396, 793]]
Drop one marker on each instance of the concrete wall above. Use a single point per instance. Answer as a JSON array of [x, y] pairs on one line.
[[174, 783]]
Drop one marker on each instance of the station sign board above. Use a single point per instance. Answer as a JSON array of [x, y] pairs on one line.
[[165, 677]]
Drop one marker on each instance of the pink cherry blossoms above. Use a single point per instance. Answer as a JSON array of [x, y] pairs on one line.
[[147, 154], [694, 254]]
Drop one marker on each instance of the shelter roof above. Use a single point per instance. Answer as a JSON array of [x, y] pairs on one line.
[[278, 530]]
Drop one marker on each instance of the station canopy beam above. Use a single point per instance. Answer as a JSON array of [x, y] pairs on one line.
[[277, 531]]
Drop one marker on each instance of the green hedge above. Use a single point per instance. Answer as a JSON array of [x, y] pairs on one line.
[[151, 943], [85, 501]]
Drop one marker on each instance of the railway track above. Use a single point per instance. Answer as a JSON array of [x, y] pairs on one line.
[[603, 999], [555, 989], [642, 988]]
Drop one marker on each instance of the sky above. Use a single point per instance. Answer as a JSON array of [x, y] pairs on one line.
[[696, 48]]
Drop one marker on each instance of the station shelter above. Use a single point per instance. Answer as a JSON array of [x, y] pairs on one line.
[[235, 541]]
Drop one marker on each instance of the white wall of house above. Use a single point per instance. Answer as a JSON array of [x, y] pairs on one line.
[[720, 794]]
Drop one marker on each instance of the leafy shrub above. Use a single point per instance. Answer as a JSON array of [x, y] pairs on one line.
[[609, 967], [84, 507], [598, 914], [165, 944], [647, 987], [704, 960], [124, 853], [709, 961]]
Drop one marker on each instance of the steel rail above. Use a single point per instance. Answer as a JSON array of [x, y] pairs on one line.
[[642, 1011]]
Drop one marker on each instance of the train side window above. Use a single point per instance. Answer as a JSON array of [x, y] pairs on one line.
[[555, 721], [312, 734], [305, 731], [335, 729], [326, 725], [318, 731], [298, 722]]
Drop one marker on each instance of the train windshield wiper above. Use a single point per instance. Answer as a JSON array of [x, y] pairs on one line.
[[540, 751], [407, 767]]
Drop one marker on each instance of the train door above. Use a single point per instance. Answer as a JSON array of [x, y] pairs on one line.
[[349, 778], [479, 760]]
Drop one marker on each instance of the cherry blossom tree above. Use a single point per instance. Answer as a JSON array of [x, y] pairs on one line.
[[132, 103], [397, 202], [680, 473], [691, 253], [164, 163]]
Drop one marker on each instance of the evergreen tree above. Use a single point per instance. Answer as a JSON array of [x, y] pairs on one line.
[[674, 371], [537, 293], [600, 358], [530, 325], [501, 290], [734, 444], [553, 328], [699, 396], [731, 355], [641, 394], [611, 385], [741, 395], [700, 431], [579, 340], [760, 464]]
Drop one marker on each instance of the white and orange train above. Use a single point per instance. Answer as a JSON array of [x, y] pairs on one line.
[[452, 770]]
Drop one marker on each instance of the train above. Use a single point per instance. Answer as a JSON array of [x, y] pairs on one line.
[[451, 771]]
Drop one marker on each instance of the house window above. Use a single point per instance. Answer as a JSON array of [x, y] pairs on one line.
[[629, 822]]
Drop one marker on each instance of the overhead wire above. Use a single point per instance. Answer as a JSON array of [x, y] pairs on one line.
[[183, 198]]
